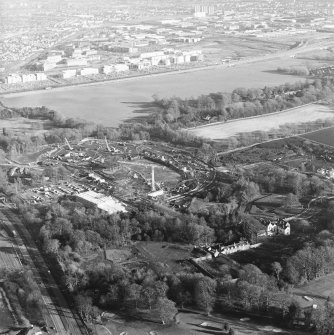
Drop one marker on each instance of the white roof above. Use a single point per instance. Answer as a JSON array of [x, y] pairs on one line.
[[156, 193], [105, 203]]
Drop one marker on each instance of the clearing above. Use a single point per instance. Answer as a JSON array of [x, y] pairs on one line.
[[323, 136], [219, 131]]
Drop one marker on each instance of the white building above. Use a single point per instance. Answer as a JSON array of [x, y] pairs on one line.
[[46, 66], [76, 62], [27, 78], [41, 76], [108, 69], [88, 71], [101, 201], [53, 59], [69, 73], [121, 67], [13, 78]]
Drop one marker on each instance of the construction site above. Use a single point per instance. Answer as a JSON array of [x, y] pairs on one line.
[[117, 175]]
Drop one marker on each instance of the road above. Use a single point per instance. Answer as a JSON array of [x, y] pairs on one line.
[[58, 314]]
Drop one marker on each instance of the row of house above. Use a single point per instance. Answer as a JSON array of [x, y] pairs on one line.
[[15, 78], [163, 58], [88, 71]]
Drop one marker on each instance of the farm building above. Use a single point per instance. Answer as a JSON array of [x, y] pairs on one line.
[[101, 201]]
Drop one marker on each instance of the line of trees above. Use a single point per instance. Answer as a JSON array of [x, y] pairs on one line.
[[241, 103]]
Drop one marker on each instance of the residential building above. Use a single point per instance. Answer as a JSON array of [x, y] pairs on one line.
[[279, 227]]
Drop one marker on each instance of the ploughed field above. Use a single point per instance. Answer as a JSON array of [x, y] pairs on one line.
[[219, 131], [324, 136]]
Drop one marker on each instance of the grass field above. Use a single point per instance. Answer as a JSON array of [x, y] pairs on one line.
[[324, 136], [266, 122], [167, 253], [321, 287]]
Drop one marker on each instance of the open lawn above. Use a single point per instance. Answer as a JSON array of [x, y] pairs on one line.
[[266, 122], [169, 254], [321, 287]]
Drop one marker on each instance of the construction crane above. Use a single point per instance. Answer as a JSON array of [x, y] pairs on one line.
[[108, 148], [68, 144]]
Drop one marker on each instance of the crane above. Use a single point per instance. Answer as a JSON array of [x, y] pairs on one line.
[[108, 148], [68, 144]]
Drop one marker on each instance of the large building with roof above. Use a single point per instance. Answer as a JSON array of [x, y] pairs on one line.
[[101, 201]]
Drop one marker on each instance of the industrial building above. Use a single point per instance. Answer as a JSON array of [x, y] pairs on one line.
[[101, 201]]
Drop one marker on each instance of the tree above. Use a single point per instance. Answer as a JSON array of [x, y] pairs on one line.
[[291, 201], [84, 305], [149, 294], [133, 293], [277, 269], [226, 327], [166, 310], [205, 289]]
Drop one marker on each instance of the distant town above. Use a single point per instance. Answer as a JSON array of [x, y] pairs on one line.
[[73, 44]]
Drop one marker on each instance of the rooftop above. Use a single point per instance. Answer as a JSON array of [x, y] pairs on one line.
[[105, 203]]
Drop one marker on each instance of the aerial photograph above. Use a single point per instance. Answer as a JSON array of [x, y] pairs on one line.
[[166, 167]]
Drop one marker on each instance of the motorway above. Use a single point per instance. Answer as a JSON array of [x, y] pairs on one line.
[[56, 313]]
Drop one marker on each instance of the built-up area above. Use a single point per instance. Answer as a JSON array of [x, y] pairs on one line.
[[45, 45]]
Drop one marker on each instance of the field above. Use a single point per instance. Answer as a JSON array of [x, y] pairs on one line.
[[21, 126], [325, 136], [169, 254], [266, 122], [320, 287]]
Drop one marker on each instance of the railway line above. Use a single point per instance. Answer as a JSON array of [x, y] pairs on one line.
[[57, 314]]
